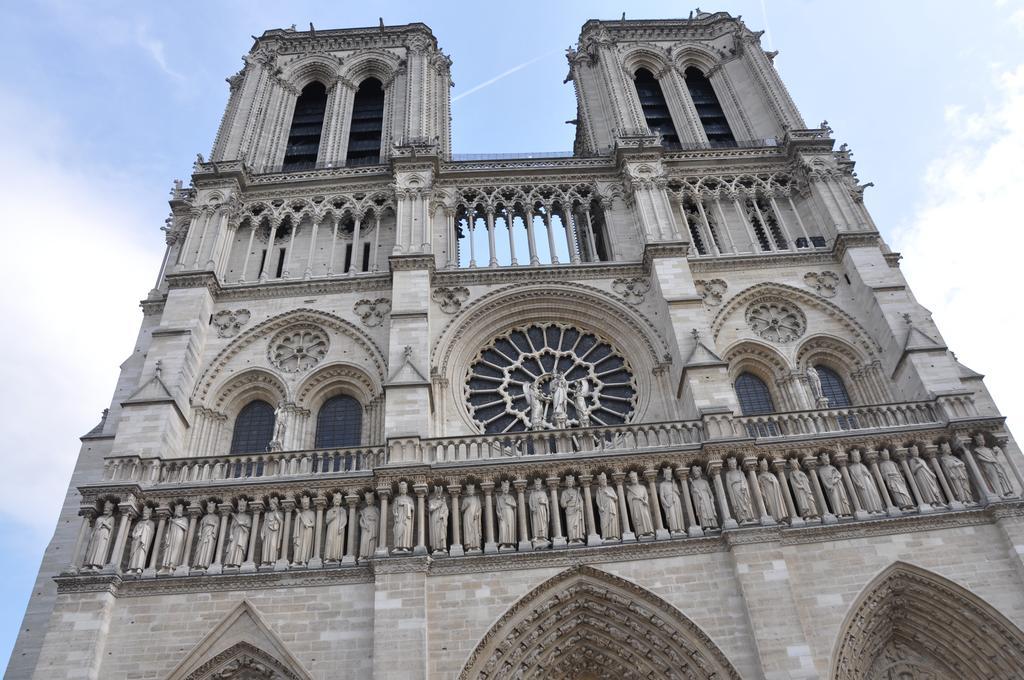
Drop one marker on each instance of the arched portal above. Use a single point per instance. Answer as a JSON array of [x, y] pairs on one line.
[[585, 624], [912, 623]]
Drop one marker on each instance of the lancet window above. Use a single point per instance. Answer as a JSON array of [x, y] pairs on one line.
[[709, 110], [339, 423], [753, 394], [832, 387], [254, 428], [307, 127], [655, 108], [367, 125]]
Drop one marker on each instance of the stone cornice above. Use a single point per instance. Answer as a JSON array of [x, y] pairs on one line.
[[300, 288], [411, 262], [503, 275]]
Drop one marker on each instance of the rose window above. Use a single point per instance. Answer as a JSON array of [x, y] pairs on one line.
[[298, 348], [549, 376], [776, 320]]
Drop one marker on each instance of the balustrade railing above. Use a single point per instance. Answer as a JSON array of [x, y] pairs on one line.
[[825, 421]]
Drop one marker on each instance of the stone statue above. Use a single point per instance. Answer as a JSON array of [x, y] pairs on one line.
[[559, 399], [608, 507], [302, 533], [927, 482], [270, 532], [864, 482], [437, 508], [471, 510], [540, 512], [580, 394], [280, 427], [739, 492], [142, 536], [238, 535], [403, 512], [832, 481], [639, 504], [802, 493], [99, 542], [814, 381], [572, 502], [506, 505], [671, 502], [206, 546], [991, 468], [336, 519], [537, 402], [369, 527], [703, 499], [771, 492], [894, 480], [174, 539], [956, 474]]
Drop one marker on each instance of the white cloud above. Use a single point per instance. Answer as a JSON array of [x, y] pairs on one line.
[[73, 270], [962, 248], [155, 49]]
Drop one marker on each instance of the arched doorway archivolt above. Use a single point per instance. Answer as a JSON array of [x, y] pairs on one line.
[[586, 624]]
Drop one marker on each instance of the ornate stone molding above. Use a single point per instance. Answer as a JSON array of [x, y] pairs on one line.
[[372, 312], [825, 283], [230, 321], [776, 320], [632, 290], [711, 291], [450, 299]]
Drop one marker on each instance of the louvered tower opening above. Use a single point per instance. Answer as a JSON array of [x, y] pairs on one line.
[[367, 124], [655, 108], [307, 127], [709, 110]]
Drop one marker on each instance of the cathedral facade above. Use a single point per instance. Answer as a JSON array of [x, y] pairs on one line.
[[664, 407]]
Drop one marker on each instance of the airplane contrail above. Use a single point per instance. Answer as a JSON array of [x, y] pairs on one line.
[[477, 88]]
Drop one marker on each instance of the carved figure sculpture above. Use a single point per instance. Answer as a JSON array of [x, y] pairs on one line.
[[580, 394], [832, 481], [537, 401], [540, 511], [814, 381], [864, 483], [739, 492], [238, 536], [174, 539], [671, 501], [956, 474], [771, 492], [206, 546], [608, 507], [438, 510], [336, 519], [703, 499], [572, 502], [270, 532], [559, 399], [302, 534], [506, 505], [99, 542], [802, 493], [927, 482], [471, 510], [280, 427], [639, 504], [369, 527], [991, 468], [142, 536], [895, 482], [403, 513]]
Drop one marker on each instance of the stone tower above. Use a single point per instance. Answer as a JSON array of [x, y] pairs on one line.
[[663, 408]]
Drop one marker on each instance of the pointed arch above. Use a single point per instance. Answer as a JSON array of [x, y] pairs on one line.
[[588, 623], [911, 619]]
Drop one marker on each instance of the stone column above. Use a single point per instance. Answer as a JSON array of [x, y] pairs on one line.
[[551, 234], [492, 260], [194, 511], [128, 513], [249, 565], [456, 549], [162, 513], [383, 493], [531, 239], [557, 539], [890, 509], [651, 476], [929, 454], [420, 490], [851, 491], [316, 561], [811, 463], [750, 465], [901, 456], [312, 250], [715, 471], [795, 520], [87, 515], [627, 534], [225, 510], [287, 506], [693, 528], [570, 234], [524, 535], [593, 537], [1010, 463], [355, 262], [984, 493], [489, 545], [352, 504]]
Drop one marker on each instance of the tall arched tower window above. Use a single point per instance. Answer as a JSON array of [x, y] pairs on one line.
[[339, 423], [307, 127], [364, 136], [656, 113], [254, 428], [709, 110], [755, 399], [832, 387]]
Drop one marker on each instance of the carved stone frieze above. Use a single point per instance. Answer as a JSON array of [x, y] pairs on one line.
[[450, 298], [632, 290], [229, 321], [372, 312], [711, 291]]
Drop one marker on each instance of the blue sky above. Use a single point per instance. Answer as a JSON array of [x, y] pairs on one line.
[[103, 104]]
